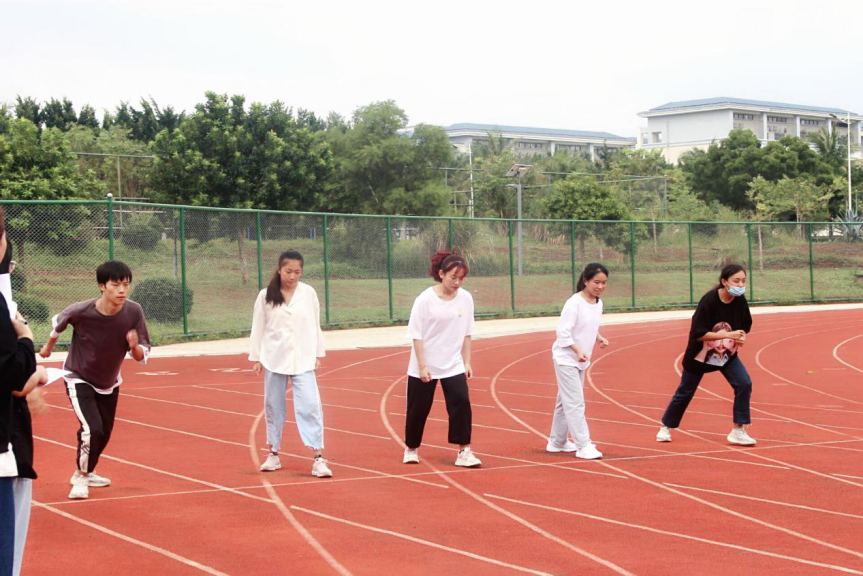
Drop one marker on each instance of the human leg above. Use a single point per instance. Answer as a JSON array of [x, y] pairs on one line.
[[420, 396], [682, 397], [275, 409], [7, 525], [736, 374], [571, 393], [458, 409], [106, 404], [23, 493], [308, 411]]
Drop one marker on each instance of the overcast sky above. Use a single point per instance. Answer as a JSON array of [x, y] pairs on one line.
[[568, 64]]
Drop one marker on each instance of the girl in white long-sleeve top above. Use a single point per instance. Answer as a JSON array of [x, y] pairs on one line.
[[287, 341], [577, 332]]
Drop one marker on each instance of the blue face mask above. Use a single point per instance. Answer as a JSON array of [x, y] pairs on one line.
[[736, 290]]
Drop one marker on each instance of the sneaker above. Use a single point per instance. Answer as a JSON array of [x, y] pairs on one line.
[[320, 469], [411, 456], [93, 479], [272, 463], [554, 447], [80, 489], [740, 437], [467, 459], [589, 452], [664, 435]]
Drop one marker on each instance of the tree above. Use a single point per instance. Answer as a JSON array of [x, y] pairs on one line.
[[87, 117], [28, 109], [827, 144], [722, 173], [144, 124], [224, 155], [59, 114]]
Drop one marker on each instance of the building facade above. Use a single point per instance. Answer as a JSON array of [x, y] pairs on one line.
[[678, 127], [530, 141]]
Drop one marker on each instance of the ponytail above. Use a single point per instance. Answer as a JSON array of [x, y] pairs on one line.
[[274, 288], [446, 261]]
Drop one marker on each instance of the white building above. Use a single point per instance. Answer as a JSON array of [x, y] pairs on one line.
[[526, 140], [677, 127]]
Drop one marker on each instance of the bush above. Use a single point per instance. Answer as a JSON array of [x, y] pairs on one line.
[[19, 280], [142, 231], [162, 299], [32, 308]]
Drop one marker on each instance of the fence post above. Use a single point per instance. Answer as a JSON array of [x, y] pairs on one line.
[[811, 267], [326, 274], [751, 278], [260, 265], [390, 263], [110, 226], [691, 279], [511, 269], [183, 268], [632, 258], [572, 254], [450, 235]]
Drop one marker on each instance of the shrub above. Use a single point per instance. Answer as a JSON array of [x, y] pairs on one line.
[[19, 280], [162, 299], [32, 308], [142, 231]]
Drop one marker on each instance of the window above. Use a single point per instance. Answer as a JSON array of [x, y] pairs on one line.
[[533, 145], [740, 116], [808, 122], [657, 137], [777, 119]]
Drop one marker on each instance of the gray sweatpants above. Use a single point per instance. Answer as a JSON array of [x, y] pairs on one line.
[[569, 407]]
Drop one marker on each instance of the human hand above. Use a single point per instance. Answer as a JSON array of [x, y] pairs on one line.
[[582, 357], [44, 351], [425, 374], [317, 363], [36, 403], [737, 335], [132, 338], [257, 368], [603, 342], [468, 371], [40, 376]]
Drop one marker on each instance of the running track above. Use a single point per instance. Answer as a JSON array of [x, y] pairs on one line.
[[187, 497]]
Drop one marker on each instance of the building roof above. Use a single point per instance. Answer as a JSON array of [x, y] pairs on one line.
[[549, 132], [726, 101]]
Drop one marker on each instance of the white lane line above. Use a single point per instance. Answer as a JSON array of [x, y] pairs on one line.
[[292, 520], [677, 535], [492, 505], [707, 503], [849, 476], [131, 540], [188, 405], [776, 502], [421, 541], [377, 473], [475, 425], [836, 352]]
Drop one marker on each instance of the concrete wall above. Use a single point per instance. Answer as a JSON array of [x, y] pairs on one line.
[[692, 127]]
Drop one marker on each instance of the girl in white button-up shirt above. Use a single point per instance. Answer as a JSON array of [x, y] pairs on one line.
[[287, 341]]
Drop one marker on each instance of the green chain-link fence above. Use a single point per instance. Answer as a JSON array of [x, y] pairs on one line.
[[197, 270]]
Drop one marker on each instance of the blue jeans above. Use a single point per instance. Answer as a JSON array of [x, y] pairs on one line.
[[7, 525], [307, 408], [736, 374]]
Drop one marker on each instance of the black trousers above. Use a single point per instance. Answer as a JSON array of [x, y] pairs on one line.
[[419, 404], [95, 413]]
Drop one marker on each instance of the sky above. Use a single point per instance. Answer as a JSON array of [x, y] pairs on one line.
[[541, 63]]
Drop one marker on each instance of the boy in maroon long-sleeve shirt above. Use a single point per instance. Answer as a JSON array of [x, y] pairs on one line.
[[105, 329]]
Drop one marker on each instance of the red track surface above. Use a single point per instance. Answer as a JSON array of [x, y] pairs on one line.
[[187, 497]]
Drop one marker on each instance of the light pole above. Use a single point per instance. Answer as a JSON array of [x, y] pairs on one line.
[[848, 148], [517, 171]]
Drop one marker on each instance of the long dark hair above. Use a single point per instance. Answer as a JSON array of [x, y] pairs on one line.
[[589, 272], [446, 261], [728, 271], [274, 288]]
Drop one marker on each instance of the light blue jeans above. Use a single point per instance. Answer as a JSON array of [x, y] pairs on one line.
[[23, 491], [307, 408]]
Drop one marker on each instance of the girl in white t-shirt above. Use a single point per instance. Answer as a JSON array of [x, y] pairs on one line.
[[577, 332], [287, 341], [441, 326]]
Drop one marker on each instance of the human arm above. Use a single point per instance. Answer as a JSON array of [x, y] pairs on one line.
[[138, 339], [58, 324], [256, 338], [39, 376], [738, 336], [565, 328], [322, 345], [465, 355], [425, 373], [18, 359], [603, 342]]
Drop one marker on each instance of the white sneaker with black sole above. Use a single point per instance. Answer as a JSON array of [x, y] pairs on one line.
[[320, 469], [93, 479], [272, 463], [467, 459], [411, 456]]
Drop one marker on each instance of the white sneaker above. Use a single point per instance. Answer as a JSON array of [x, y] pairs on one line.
[[80, 489], [93, 479], [411, 456], [272, 463], [664, 435], [467, 459], [740, 437], [554, 447], [320, 469], [589, 452]]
